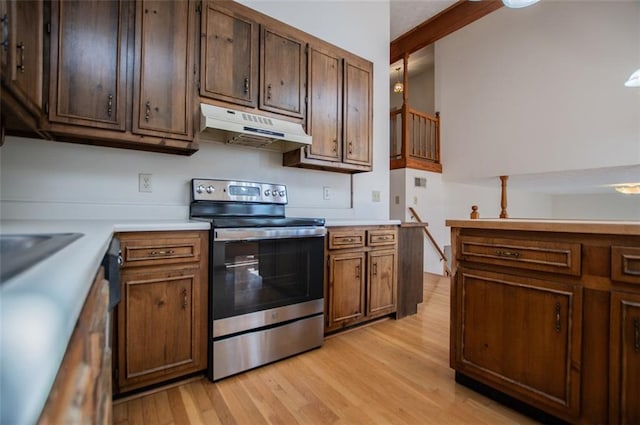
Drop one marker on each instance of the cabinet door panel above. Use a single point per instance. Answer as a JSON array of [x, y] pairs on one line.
[[164, 69], [23, 75], [346, 287], [324, 121], [382, 282], [624, 394], [520, 333], [229, 57], [283, 70], [357, 114], [88, 63], [159, 328]]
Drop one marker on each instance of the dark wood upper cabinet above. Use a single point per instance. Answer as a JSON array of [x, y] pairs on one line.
[[163, 98], [229, 56], [283, 73], [324, 118], [22, 55], [357, 114], [88, 63]]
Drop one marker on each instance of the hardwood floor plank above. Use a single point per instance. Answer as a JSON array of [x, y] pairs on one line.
[[150, 411], [392, 372]]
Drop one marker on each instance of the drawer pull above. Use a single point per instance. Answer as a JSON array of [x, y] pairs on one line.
[[510, 254], [246, 85], [558, 317], [636, 335], [168, 252], [375, 269], [184, 299], [358, 272]]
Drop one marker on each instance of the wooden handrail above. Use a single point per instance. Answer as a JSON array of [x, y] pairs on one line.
[[433, 241]]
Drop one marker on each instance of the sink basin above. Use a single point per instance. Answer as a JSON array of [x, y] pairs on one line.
[[19, 252]]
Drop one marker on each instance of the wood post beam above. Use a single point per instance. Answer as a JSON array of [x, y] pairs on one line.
[[444, 23]]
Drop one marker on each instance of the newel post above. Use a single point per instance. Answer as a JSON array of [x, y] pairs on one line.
[[503, 201]]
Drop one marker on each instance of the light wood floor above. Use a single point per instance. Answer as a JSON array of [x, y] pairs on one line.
[[392, 372]]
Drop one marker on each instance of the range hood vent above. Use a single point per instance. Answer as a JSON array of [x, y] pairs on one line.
[[245, 129]]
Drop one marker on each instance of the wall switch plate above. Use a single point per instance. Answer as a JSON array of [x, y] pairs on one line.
[[326, 193], [145, 183], [375, 195]]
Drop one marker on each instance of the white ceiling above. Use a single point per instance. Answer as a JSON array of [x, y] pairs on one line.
[[407, 14]]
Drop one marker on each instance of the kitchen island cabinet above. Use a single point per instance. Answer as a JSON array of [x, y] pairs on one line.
[[163, 314], [547, 313], [361, 275]]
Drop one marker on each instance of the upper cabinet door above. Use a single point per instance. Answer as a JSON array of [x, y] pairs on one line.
[[163, 96], [229, 56], [283, 68], [22, 31], [88, 63], [324, 119], [357, 114]]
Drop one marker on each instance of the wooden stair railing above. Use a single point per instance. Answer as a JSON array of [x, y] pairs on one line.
[[415, 140], [433, 241]]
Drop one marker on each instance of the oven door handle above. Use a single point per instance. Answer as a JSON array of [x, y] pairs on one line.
[[257, 233]]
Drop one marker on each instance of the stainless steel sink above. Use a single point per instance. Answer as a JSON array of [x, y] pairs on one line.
[[19, 252]]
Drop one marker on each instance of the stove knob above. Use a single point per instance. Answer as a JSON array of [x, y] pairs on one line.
[[267, 192], [200, 189], [281, 193], [275, 193], [211, 189]]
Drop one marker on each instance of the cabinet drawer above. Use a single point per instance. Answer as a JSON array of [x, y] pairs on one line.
[[141, 252], [346, 239], [625, 264], [381, 237], [556, 257]]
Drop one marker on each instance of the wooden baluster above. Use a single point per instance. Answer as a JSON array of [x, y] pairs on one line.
[[503, 201], [474, 212]]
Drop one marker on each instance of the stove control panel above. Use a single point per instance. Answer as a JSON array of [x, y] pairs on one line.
[[238, 191]]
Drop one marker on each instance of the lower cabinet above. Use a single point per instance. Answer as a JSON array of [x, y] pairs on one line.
[[163, 312], [522, 335], [361, 275], [624, 384]]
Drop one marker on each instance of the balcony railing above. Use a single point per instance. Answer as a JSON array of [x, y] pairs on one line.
[[415, 141]]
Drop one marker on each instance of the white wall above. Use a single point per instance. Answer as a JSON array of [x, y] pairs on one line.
[[421, 91], [540, 89], [42, 179], [597, 206]]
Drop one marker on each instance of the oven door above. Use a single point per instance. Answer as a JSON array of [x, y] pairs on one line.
[[255, 269]]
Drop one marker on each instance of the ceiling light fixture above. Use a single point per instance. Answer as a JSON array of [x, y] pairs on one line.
[[628, 189], [398, 87], [634, 80], [517, 4]]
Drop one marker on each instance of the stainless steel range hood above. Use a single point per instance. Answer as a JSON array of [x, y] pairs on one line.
[[246, 129]]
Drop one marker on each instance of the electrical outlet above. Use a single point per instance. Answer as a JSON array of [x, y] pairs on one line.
[[145, 182], [397, 200], [375, 195], [326, 193]]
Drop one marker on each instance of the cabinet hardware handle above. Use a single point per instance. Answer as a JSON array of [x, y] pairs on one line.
[[5, 31], [184, 299], [335, 145], [147, 112], [350, 147], [167, 252], [558, 317], [511, 254], [21, 51], [109, 105], [269, 92], [246, 85], [375, 269], [636, 335], [357, 272]]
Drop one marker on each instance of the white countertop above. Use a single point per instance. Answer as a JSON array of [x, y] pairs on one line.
[[332, 222], [40, 306]]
